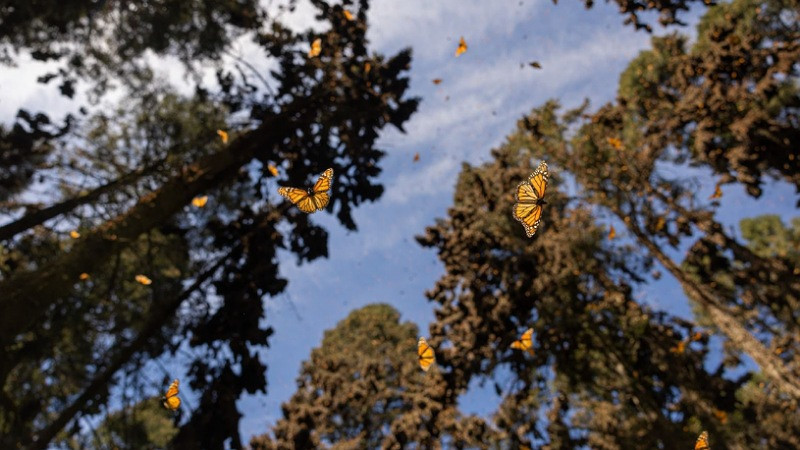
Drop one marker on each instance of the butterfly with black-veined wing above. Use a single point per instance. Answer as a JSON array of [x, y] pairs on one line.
[[314, 199], [702, 442], [170, 400], [425, 354], [530, 198]]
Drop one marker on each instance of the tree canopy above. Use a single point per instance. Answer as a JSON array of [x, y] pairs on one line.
[[109, 270]]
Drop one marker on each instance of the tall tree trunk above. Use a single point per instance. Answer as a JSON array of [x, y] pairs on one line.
[[28, 221], [772, 367], [26, 294], [100, 381]]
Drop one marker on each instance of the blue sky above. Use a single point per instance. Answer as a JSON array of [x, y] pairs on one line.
[[483, 93]]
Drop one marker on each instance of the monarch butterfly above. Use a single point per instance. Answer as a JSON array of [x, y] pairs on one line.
[[717, 192], [199, 202], [74, 234], [314, 199], [702, 442], [615, 142], [272, 170], [416, 157], [316, 48], [170, 399], [347, 14], [525, 342], [535, 64], [142, 279], [530, 198], [612, 233], [462, 46], [437, 81], [425, 353], [223, 135]]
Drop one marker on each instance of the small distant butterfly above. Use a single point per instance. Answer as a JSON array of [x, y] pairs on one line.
[[199, 202], [416, 157], [462, 46], [437, 81], [143, 280], [525, 342], [348, 15], [314, 199], [272, 170], [535, 64], [170, 400], [702, 442], [74, 234], [612, 233], [660, 223], [84, 276], [530, 198], [425, 353], [680, 348], [367, 67], [223, 135], [316, 48], [615, 142], [717, 192]]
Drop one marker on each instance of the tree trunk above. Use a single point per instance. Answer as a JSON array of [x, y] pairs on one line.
[[100, 381], [26, 294], [772, 367], [8, 231]]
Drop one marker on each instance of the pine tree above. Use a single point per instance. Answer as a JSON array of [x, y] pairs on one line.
[[74, 319]]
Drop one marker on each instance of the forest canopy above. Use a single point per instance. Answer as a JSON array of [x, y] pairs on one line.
[[148, 223]]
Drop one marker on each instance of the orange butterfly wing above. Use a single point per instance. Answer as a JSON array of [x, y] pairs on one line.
[[299, 197], [318, 198], [171, 400], [525, 342], [462, 46], [316, 48], [527, 210], [702, 442], [425, 354]]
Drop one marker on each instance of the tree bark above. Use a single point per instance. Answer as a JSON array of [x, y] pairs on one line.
[[772, 367], [26, 294], [101, 380], [9, 230]]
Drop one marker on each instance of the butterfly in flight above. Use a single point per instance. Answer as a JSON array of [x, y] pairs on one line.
[[702, 442], [314, 199], [170, 399], [525, 342], [717, 192], [530, 198], [316, 48], [612, 233], [142, 279], [223, 135], [535, 64], [462, 46], [272, 170], [416, 157], [200, 201], [425, 353]]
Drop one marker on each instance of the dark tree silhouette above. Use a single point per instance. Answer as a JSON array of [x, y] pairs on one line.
[[75, 323]]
